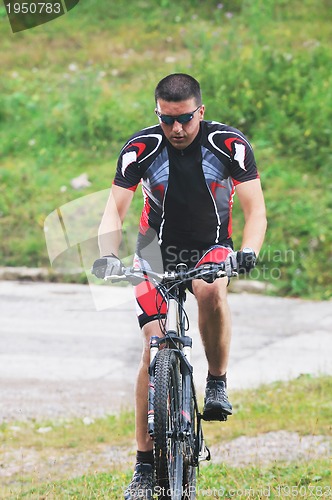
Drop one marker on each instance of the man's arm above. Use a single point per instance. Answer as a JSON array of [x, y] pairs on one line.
[[252, 202], [110, 229]]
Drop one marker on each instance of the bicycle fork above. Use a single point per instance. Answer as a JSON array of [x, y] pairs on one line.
[[200, 451], [154, 348], [184, 357]]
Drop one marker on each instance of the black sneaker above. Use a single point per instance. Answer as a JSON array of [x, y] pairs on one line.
[[142, 484], [216, 404]]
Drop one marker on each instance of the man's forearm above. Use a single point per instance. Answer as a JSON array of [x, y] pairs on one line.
[[109, 241], [110, 229], [254, 232], [110, 233]]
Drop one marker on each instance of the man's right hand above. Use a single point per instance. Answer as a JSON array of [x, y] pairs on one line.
[[109, 265]]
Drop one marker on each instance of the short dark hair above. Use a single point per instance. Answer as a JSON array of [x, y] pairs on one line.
[[178, 87]]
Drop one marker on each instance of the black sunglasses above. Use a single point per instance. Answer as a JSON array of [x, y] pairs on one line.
[[169, 120]]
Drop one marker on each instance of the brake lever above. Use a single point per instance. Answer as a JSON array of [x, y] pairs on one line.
[[114, 278]]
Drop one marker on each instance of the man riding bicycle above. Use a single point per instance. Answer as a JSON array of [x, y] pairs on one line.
[[189, 169]]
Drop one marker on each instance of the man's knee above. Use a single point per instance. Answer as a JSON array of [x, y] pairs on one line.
[[211, 296], [151, 329]]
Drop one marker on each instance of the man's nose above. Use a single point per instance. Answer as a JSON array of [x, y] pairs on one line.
[[177, 127]]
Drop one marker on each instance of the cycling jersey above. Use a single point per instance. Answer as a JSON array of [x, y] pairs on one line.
[[188, 194], [188, 198]]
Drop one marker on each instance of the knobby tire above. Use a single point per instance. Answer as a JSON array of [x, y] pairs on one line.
[[167, 422]]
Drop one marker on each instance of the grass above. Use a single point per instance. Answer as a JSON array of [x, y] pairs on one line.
[[278, 481], [302, 405], [273, 407], [75, 89], [68, 433], [304, 481], [279, 406]]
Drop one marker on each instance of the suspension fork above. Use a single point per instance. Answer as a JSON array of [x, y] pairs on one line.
[[187, 387], [154, 347], [185, 361], [175, 327], [200, 450]]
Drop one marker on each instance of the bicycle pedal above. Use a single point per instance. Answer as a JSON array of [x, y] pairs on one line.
[[204, 453], [214, 416]]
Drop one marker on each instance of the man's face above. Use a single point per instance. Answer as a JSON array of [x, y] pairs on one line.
[[180, 135]]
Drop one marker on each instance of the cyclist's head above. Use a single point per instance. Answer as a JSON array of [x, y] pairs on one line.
[[178, 87], [179, 108]]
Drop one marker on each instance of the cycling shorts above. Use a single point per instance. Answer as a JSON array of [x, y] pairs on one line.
[[150, 304]]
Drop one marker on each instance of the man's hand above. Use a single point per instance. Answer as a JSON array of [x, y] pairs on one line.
[[246, 260], [231, 264], [110, 265]]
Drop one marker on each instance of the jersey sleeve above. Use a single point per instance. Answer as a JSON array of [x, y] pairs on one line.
[[233, 150], [242, 159], [128, 174]]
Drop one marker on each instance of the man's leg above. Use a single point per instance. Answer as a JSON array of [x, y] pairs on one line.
[[142, 483], [214, 321]]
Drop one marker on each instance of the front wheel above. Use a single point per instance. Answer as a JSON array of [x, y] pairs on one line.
[[167, 426]]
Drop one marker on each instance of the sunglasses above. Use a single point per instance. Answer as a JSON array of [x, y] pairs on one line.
[[169, 120]]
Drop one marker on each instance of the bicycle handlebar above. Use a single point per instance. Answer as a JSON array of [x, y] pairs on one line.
[[181, 274]]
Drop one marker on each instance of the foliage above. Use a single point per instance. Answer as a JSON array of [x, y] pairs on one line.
[[76, 88]]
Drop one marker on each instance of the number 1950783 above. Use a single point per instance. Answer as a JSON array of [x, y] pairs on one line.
[[34, 8]]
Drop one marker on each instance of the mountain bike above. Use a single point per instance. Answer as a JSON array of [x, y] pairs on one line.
[[174, 420]]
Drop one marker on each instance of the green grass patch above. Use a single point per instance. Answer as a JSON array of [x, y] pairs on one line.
[[96, 486], [215, 481], [302, 405], [80, 434], [278, 481], [75, 89]]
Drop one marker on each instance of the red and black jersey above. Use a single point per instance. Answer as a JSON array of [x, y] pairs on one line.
[[188, 194]]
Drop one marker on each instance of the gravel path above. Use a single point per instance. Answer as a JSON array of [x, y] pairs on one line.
[[275, 446], [261, 450], [59, 356]]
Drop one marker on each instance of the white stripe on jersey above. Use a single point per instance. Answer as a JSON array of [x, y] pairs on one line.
[[159, 138], [128, 159], [226, 132], [240, 151]]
